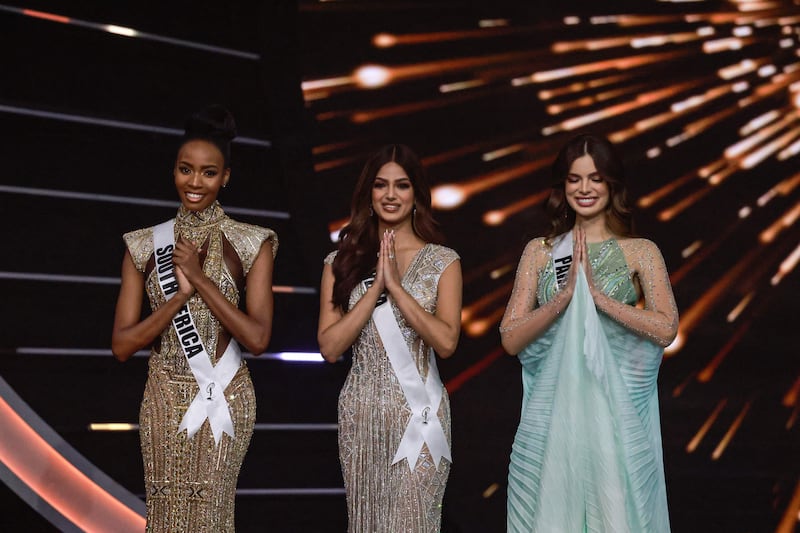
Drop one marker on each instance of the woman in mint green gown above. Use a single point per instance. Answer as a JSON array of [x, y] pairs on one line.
[[587, 455]]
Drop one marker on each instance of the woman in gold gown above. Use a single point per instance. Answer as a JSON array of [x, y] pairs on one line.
[[192, 460], [394, 418]]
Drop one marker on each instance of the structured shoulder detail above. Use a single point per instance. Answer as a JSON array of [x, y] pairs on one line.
[[444, 255], [330, 257], [140, 246], [247, 239]]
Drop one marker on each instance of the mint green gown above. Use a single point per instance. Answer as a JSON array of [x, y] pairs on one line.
[[587, 455]]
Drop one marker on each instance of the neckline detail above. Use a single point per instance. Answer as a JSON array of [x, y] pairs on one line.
[[413, 261], [197, 219], [601, 242]]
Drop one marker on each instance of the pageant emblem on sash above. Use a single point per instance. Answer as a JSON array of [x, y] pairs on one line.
[[424, 398], [212, 379]]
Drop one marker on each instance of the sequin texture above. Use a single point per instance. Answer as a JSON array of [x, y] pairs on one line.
[[190, 484], [628, 270], [373, 415]]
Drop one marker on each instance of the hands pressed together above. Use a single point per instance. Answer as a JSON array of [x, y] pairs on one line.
[[387, 275], [580, 256], [188, 269]]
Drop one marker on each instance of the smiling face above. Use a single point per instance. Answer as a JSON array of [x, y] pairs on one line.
[[586, 191], [392, 195], [199, 174]]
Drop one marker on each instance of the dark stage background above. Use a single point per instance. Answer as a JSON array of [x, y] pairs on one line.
[[703, 98]]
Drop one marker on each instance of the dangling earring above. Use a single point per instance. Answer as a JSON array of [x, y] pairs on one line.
[[370, 211]]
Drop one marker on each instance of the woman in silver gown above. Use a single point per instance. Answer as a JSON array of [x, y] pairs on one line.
[[393, 294]]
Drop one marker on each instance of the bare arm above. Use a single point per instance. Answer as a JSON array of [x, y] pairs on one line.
[[131, 334], [252, 328], [337, 331], [658, 321], [523, 322]]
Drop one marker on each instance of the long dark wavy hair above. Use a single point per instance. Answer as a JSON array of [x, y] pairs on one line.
[[619, 213], [359, 241]]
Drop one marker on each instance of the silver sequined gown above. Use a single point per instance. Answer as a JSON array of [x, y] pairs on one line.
[[190, 484], [373, 415]]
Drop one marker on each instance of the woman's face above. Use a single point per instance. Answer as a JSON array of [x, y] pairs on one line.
[[392, 195], [199, 174], [586, 191]]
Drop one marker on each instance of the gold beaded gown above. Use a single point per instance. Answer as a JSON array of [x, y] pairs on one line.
[[190, 484], [373, 415]]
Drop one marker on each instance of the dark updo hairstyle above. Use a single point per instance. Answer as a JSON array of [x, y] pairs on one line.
[[359, 241], [214, 124], [619, 219]]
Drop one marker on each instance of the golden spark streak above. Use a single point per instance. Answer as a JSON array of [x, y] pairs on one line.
[[498, 216], [642, 100], [792, 395], [623, 63], [710, 369], [485, 301], [785, 221], [701, 433], [723, 444], [487, 181], [478, 327], [678, 390], [741, 306], [693, 315], [786, 266], [748, 143], [547, 94], [388, 40], [790, 518]]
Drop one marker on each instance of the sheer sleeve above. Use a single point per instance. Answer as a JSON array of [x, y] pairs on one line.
[[525, 320], [658, 321]]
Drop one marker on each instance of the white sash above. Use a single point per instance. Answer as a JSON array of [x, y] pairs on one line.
[[562, 258], [423, 398], [210, 400]]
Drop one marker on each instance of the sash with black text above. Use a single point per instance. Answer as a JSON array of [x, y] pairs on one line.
[[212, 379]]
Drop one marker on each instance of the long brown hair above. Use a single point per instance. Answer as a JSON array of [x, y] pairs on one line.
[[359, 241], [619, 214]]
